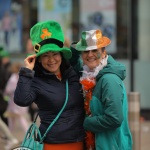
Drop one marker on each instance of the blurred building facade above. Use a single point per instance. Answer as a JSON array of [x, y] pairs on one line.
[[125, 21]]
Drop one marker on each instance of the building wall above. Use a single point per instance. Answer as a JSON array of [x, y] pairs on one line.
[[144, 30]]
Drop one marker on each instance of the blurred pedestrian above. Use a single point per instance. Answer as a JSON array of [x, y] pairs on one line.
[[106, 104], [15, 113], [4, 76], [11, 140], [44, 80], [67, 42], [6, 27], [29, 47]]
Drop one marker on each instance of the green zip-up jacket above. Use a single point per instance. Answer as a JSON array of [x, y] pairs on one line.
[[109, 108]]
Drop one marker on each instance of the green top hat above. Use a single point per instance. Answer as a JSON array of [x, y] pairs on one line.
[[48, 36]]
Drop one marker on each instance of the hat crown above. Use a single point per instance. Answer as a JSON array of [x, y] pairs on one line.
[[45, 30], [91, 40]]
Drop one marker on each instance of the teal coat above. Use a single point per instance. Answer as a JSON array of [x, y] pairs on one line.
[[109, 108]]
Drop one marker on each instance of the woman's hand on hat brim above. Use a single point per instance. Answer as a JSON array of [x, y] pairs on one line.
[[30, 61]]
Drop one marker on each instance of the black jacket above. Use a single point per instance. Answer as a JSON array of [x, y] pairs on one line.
[[49, 94]]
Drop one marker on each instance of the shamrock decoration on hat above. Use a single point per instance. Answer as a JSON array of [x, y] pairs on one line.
[[48, 36]]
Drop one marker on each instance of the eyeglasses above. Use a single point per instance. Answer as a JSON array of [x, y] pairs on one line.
[[90, 51]]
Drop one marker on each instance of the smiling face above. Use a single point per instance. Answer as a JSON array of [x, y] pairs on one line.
[[92, 58], [51, 61]]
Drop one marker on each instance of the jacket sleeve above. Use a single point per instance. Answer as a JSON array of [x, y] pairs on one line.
[[112, 99], [24, 94]]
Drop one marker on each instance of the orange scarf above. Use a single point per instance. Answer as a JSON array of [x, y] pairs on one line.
[[59, 76], [88, 86]]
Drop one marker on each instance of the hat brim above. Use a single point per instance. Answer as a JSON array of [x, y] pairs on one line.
[[78, 46], [66, 51]]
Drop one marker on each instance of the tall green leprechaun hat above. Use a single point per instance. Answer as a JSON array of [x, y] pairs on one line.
[[48, 36]]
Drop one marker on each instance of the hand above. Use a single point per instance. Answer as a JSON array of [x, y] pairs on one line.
[[30, 61]]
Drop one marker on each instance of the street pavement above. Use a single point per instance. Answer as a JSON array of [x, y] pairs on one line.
[[144, 135]]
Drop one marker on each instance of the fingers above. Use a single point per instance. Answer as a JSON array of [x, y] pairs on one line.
[[30, 58], [30, 61]]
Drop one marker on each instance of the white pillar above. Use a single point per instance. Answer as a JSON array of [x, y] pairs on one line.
[[134, 118]]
